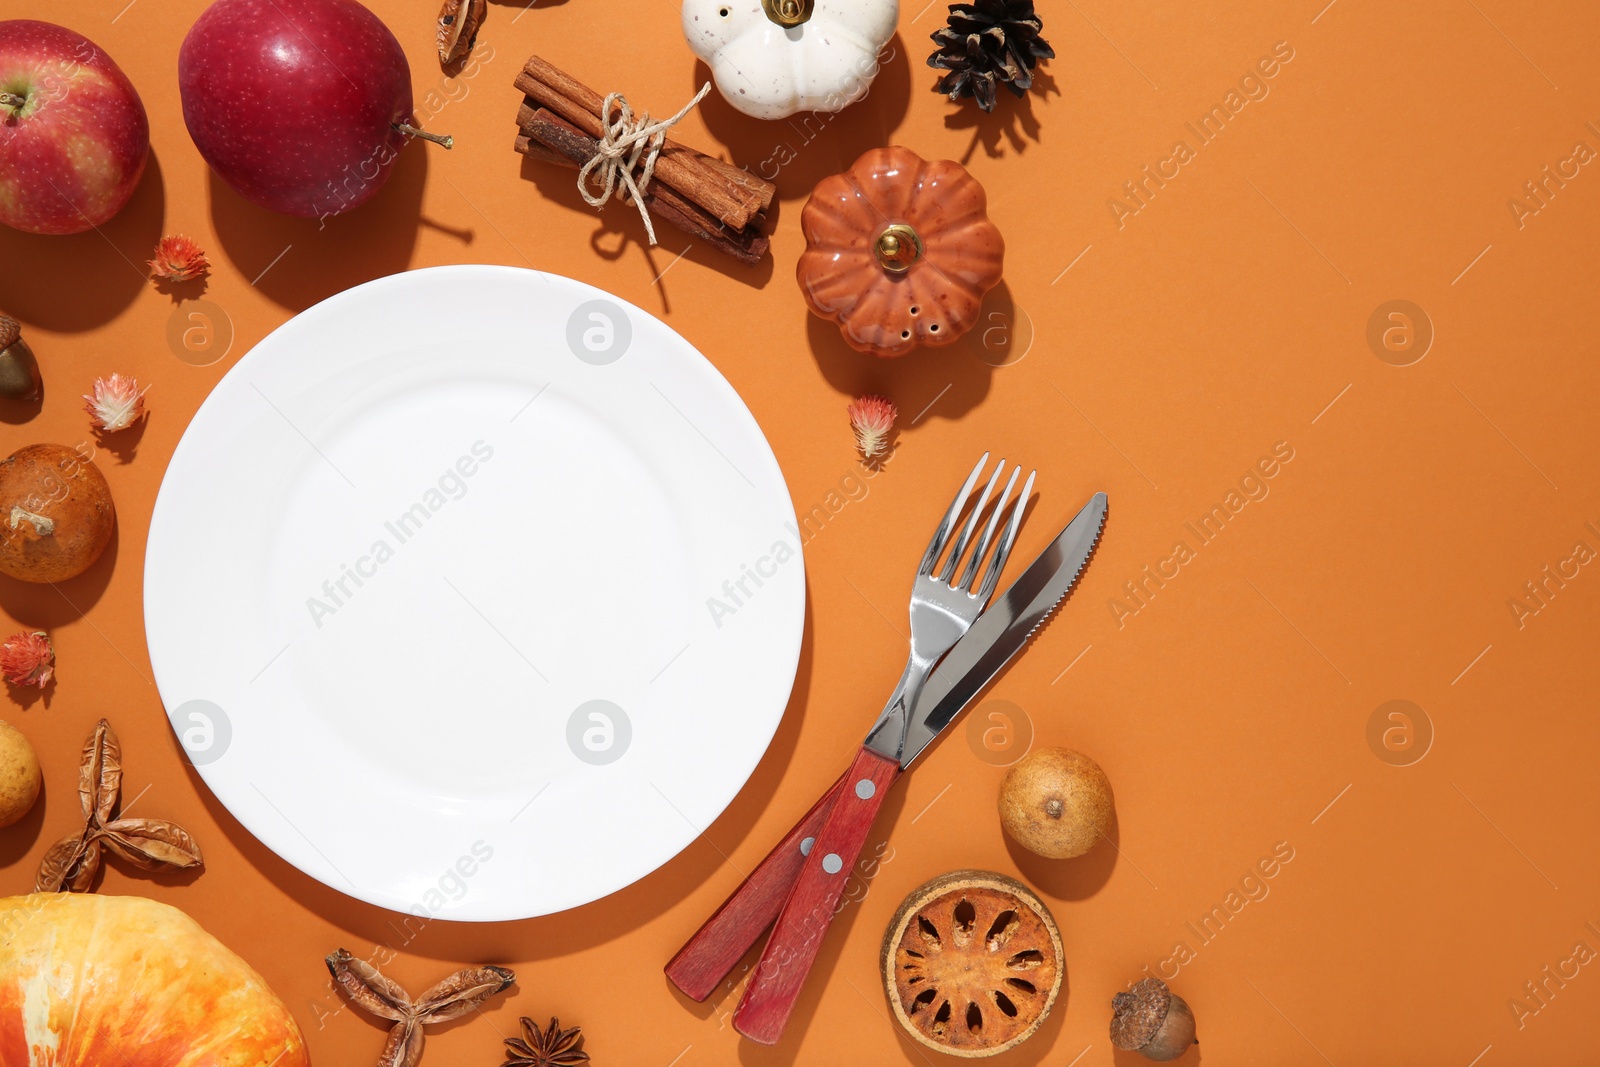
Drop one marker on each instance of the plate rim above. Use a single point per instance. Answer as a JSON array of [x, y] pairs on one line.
[[276, 839]]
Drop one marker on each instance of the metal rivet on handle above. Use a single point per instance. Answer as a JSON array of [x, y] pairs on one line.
[[805, 846], [832, 863], [865, 789]]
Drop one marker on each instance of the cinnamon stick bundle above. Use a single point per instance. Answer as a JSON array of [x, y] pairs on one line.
[[560, 122], [548, 137]]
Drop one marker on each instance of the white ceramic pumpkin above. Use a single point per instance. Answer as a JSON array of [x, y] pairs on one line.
[[773, 58]]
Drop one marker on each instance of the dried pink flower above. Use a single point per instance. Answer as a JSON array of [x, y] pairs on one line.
[[178, 259], [872, 417], [116, 404], [28, 659]]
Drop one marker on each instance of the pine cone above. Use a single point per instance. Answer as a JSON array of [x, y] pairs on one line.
[[986, 42]]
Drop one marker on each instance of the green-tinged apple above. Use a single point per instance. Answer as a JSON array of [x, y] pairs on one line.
[[302, 106], [74, 137]]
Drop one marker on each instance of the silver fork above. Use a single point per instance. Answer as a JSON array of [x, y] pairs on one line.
[[943, 608]]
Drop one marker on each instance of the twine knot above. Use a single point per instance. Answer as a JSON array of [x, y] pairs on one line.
[[627, 144]]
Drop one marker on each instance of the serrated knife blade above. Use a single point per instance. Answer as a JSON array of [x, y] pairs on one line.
[[1005, 626]]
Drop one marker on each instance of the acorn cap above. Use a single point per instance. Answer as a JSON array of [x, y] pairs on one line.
[[1139, 1013], [10, 331]]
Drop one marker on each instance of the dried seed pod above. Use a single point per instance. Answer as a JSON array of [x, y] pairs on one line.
[[1152, 1020], [972, 963], [461, 992], [100, 773], [151, 844], [19, 370], [459, 22], [369, 988]]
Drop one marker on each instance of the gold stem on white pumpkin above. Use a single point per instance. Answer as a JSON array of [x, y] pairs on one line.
[[787, 12]]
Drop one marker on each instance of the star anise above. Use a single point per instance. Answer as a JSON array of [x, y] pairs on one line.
[[553, 1047], [152, 844], [452, 998]]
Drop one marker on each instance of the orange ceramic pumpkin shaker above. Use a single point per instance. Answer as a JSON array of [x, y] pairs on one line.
[[899, 251]]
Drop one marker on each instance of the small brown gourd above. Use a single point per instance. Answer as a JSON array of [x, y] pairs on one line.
[[899, 252], [56, 514]]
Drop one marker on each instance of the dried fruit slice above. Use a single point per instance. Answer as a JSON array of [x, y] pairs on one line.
[[972, 963]]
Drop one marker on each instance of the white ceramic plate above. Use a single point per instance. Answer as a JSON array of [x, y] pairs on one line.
[[474, 593]]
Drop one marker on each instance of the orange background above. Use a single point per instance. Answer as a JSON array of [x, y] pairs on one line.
[[1230, 712]]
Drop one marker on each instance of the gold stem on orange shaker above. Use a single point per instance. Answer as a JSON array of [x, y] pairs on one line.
[[897, 247]]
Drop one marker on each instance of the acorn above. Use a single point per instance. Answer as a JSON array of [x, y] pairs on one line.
[[19, 371], [1152, 1020]]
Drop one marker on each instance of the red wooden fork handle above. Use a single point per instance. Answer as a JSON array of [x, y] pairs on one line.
[[770, 997], [717, 947]]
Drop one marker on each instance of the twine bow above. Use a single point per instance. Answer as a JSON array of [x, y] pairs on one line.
[[624, 142]]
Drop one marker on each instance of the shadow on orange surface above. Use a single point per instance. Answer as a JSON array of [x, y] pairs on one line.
[[618, 229], [1012, 122], [51, 604], [20, 837], [17, 412], [1075, 879], [123, 444], [1124, 1058], [300, 262], [948, 381], [107, 266], [797, 152]]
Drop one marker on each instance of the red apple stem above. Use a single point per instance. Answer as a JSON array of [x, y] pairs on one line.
[[411, 131], [12, 100]]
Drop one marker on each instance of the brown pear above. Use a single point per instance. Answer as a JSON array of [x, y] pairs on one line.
[[1056, 802]]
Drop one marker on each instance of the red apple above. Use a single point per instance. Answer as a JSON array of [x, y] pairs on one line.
[[73, 133], [302, 106]]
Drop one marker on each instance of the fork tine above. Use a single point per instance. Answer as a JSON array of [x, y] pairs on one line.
[[942, 534], [988, 533], [960, 546], [1007, 540]]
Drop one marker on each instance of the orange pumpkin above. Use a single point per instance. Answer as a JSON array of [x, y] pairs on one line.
[[899, 251], [88, 981]]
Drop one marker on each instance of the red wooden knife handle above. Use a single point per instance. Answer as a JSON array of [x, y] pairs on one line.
[[796, 939], [717, 947]]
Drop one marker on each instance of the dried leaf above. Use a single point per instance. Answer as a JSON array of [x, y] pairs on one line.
[[459, 22], [368, 988], [64, 863], [404, 1047], [461, 992], [100, 773], [153, 844]]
